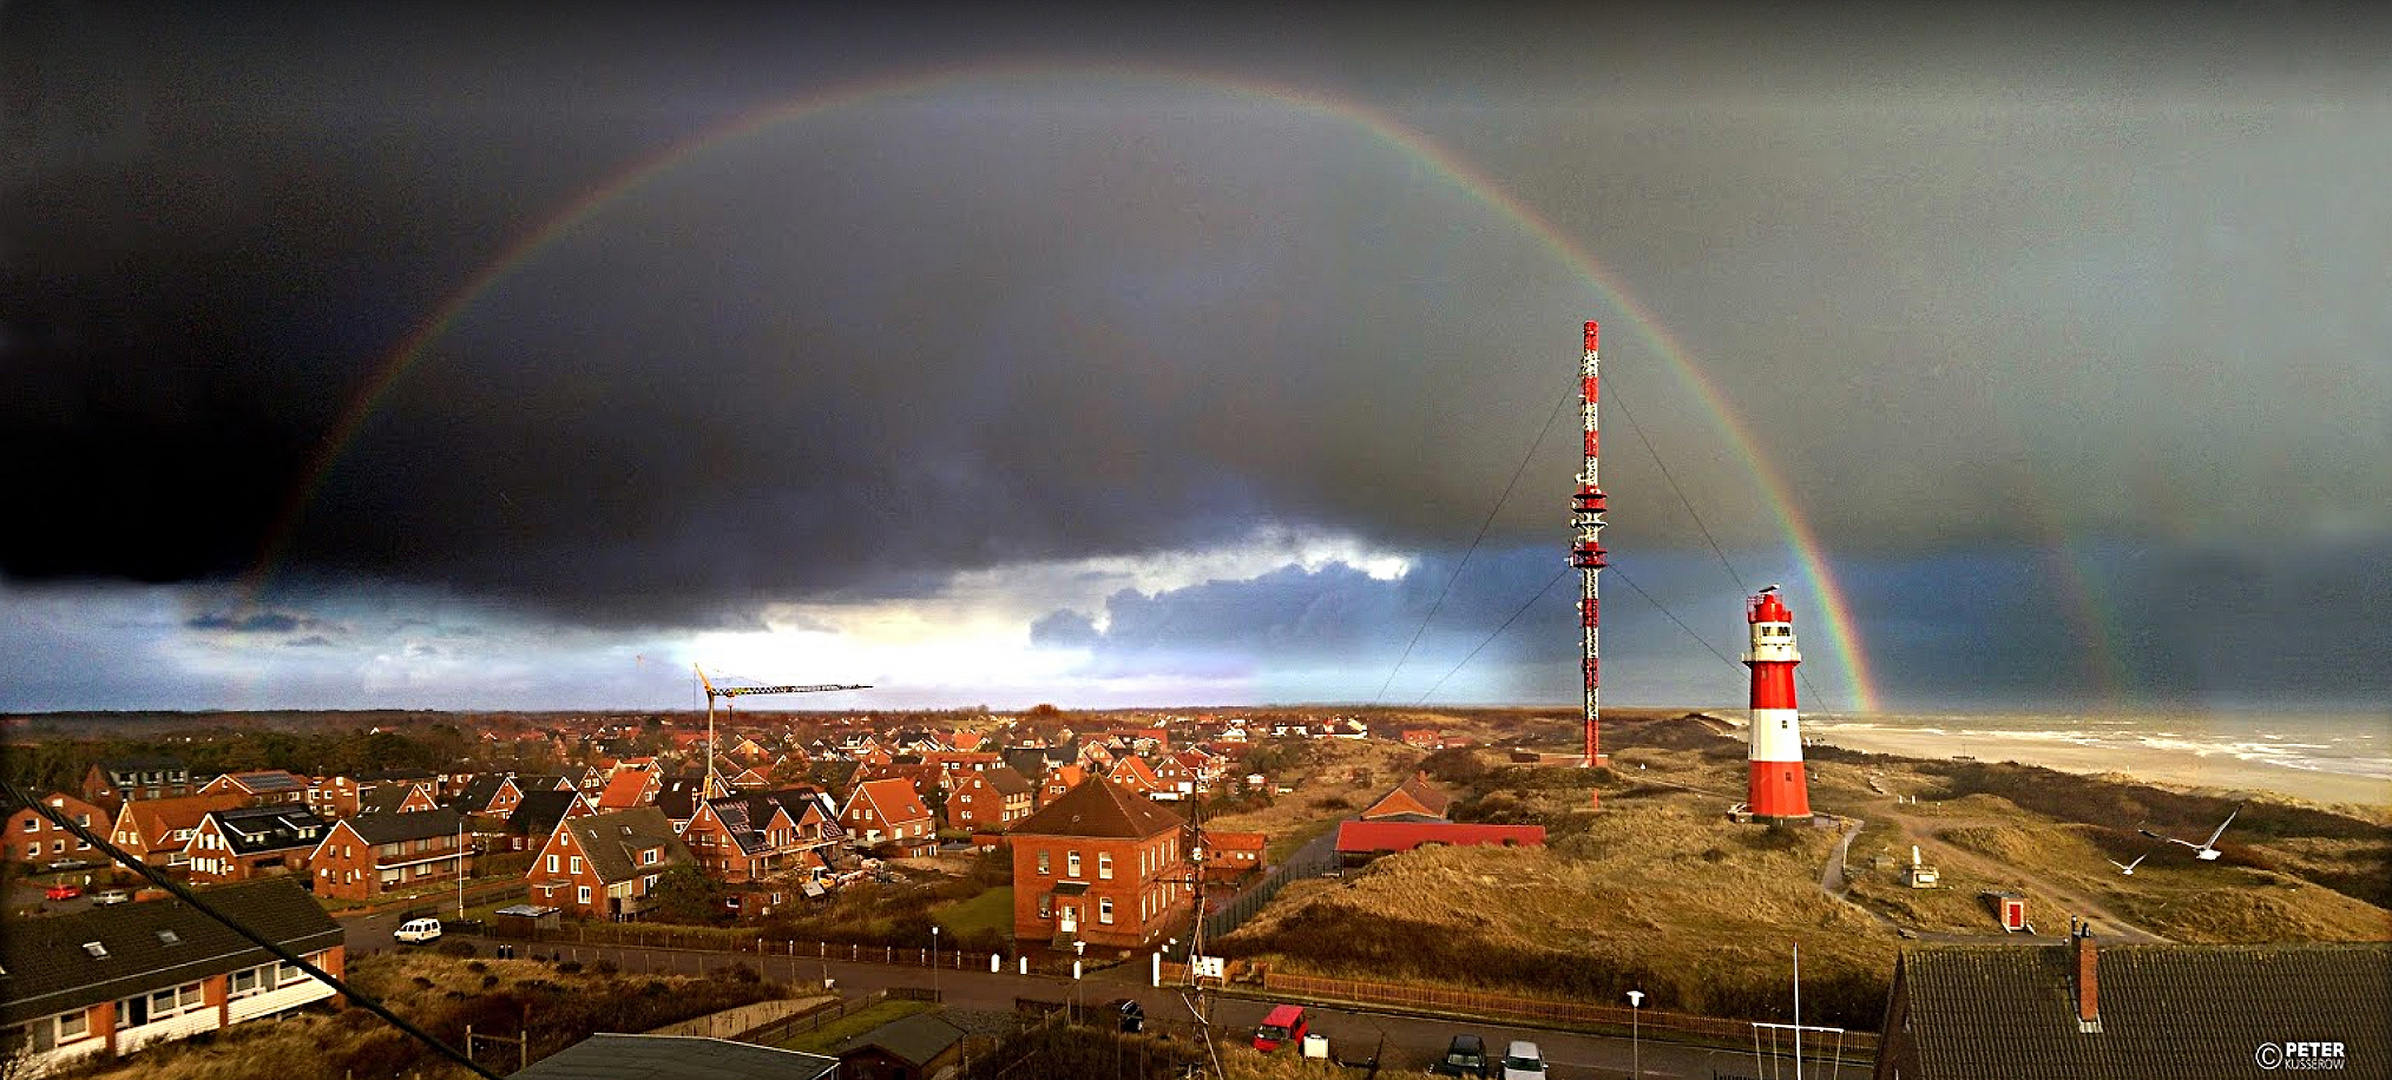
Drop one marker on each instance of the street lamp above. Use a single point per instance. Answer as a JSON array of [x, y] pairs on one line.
[[1079, 948], [934, 961], [1635, 1055]]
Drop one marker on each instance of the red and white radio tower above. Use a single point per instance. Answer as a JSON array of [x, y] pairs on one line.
[[1586, 553], [1778, 789]]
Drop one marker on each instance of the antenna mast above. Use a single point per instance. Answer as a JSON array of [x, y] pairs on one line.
[[1586, 553]]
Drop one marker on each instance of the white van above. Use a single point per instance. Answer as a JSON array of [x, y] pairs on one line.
[[1521, 1061], [418, 931]]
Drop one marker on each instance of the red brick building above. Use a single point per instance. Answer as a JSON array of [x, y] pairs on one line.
[[1101, 865], [989, 801], [605, 866], [365, 856], [157, 831], [1415, 799], [122, 780], [889, 815], [253, 841], [31, 838], [1231, 856], [261, 786]]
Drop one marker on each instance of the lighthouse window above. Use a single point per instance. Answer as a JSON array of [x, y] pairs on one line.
[[1784, 724]]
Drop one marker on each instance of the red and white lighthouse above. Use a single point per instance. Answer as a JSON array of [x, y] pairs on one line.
[[1778, 790]]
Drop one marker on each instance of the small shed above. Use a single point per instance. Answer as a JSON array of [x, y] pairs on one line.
[[520, 920], [913, 1048], [2011, 909]]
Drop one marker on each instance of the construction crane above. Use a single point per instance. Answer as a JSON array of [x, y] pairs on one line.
[[715, 788]]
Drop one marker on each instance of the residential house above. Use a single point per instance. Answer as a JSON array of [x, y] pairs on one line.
[[125, 779], [990, 800], [402, 798], [2081, 1011], [112, 980], [1059, 781], [332, 796], [159, 831], [1103, 865], [253, 841], [605, 866], [31, 838], [536, 814], [1416, 799], [743, 838], [1231, 857], [887, 815], [629, 788], [365, 856], [1132, 772], [1423, 738], [494, 794], [262, 786]]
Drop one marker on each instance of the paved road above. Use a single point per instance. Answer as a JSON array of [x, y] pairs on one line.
[[1411, 1042]]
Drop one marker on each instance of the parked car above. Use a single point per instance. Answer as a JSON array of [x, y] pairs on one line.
[[1466, 1055], [1285, 1024], [70, 864], [65, 892], [417, 931], [1522, 1061], [108, 897]]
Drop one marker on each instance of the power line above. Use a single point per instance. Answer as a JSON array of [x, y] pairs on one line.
[[1507, 624], [60, 819], [1699, 527], [1483, 526], [1673, 617]]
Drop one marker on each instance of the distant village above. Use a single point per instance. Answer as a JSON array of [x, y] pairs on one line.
[[1094, 815]]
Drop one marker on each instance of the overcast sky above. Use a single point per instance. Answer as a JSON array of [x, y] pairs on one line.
[[438, 358]]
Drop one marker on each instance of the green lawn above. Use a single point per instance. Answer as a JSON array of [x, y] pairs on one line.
[[991, 910], [826, 1039]]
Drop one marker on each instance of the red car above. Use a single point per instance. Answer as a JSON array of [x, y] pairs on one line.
[[65, 892]]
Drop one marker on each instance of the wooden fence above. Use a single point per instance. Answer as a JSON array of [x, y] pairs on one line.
[[716, 939]]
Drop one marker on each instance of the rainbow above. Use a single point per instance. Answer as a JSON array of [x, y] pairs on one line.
[[1836, 608]]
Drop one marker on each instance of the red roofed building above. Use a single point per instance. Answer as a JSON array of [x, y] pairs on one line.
[[1414, 799], [1361, 841], [888, 813], [1102, 865], [261, 786], [989, 801], [1231, 856], [31, 837], [630, 788], [1424, 738], [1061, 780], [1134, 773]]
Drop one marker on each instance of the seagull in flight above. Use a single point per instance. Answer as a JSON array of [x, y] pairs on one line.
[[2128, 868], [2206, 850]]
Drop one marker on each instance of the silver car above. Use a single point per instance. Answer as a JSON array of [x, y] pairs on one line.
[[1522, 1061]]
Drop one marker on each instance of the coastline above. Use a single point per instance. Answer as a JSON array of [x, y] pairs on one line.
[[2174, 768]]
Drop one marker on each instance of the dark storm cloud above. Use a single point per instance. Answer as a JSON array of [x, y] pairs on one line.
[[1096, 315]]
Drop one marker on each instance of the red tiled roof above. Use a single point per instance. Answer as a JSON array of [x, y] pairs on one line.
[[1363, 837]]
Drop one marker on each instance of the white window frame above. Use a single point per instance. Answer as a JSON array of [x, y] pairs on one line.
[[1104, 865], [1104, 910], [1071, 864], [581, 894]]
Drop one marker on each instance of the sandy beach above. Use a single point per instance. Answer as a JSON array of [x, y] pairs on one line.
[[2177, 768]]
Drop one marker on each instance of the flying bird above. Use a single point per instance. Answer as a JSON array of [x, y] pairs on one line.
[[2128, 868], [2206, 850]]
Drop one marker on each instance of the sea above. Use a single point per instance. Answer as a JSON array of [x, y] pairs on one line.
[[2349, 744]]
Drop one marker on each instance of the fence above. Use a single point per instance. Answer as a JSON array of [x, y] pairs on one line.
[[1315, 858], [780, 1031], [1526, 1010], [712, 939]]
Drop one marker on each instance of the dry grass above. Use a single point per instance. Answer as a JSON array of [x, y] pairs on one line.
[[1325, 791], [1659, 893]]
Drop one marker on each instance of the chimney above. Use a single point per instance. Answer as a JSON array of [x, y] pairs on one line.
[[2088, 982]]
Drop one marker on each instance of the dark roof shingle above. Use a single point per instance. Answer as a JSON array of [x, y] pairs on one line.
[[49, 970], [1099, 807]]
